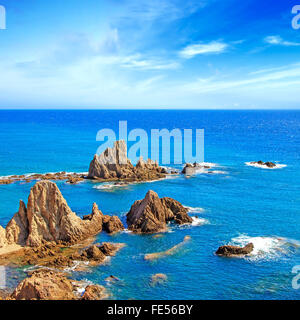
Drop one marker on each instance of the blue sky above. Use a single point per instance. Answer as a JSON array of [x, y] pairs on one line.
[[149, 54]]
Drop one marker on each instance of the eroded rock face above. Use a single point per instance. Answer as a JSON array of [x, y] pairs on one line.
[[96, 254], [17, 229], [48, 217], [230, 251], [3, 241], [112, 224], [113, 164], [151, 214], [45, 285], [95, 292]]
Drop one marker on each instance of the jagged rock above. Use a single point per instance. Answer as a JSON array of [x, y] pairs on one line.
[[229, 251], [151, 214], [48, 217], [113, 164], [95, 292], [18, 228], [3, 241], [45, 285], [96, 254], [112, 224]]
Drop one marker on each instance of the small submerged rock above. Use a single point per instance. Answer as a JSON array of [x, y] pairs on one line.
[[158, 278], [231, 251], [169, 252]]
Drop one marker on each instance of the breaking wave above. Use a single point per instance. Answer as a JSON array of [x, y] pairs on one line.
[[267, 248]]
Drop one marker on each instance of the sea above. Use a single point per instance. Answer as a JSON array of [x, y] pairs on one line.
[[231, 203]]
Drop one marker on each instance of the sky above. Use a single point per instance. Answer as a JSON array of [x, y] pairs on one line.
[[185, 54]]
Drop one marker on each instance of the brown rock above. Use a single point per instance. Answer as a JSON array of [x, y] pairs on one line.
[[48, 217], [3, 241], [18, 227], [45, 285], [94, 292], [112, 224], [113, 164], [158, 278], [261, 163], [229, 251], [94, 253], [151, 214]]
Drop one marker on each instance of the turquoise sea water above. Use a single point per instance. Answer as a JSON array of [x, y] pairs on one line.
[[236, 204]]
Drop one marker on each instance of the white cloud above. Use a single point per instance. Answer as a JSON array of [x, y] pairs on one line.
[[277, 40], [137, 62], [267, 80], [213, 47]]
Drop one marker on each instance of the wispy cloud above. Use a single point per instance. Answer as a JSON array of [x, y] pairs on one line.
[[267, 79], [137, 62], [214, 47], [277, 40]]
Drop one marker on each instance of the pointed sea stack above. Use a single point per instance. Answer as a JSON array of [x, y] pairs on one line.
[[151, 214], [113, 164], [49, 218]]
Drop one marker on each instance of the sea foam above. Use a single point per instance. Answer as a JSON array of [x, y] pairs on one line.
[[267, 248]]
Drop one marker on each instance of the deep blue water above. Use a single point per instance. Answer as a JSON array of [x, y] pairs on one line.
[[240, 203]]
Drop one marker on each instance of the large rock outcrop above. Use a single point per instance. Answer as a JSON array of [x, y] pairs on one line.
[[231, 251], [45, 285], [49, 218], [113, 164], [151, 214]]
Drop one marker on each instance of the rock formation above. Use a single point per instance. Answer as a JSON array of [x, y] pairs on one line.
[[45, 285], [151, 214], [95, 292], [113, 164], [3, 241], [71, 178], [267, 164], [96, 254], [169, 252], [159, 278], [230, 251], [190, 169], [49, 218], [51, 285]]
